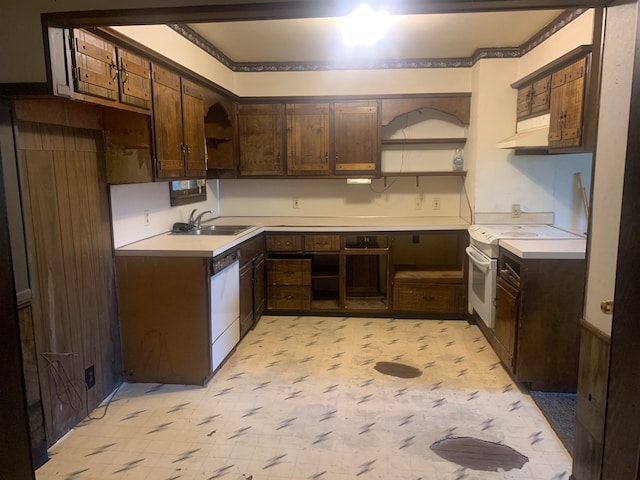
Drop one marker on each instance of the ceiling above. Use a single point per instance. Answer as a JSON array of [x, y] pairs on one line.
[[423, 36]]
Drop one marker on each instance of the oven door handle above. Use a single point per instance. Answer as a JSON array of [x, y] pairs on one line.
[[478, 259]]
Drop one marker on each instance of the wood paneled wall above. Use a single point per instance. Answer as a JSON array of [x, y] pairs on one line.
[[593, 378], [71, 258]]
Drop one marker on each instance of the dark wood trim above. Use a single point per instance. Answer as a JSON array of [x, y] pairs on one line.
[[24, 89], [15, 445], [621, 440], [291, 9], [595, 331]]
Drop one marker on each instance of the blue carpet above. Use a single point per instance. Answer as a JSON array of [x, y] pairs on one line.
[[560, 411]]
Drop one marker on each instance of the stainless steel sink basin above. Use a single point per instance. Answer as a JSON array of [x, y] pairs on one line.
[[216, 230]]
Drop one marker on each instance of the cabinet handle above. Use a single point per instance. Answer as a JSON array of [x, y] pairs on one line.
[[326, 157], [429, 298], [288, 297], [288, 274], [114, 69]]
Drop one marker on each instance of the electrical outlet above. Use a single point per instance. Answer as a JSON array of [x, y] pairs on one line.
[[417, 204], [435, 203], [90, 376], [296, 203], [147, 221], [515, 210]]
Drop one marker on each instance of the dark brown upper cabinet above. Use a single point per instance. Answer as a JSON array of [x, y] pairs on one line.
[[260, 139], [178, 126], [533, 99], [567, 100], [356, 138], [106, 74], [308, 139]]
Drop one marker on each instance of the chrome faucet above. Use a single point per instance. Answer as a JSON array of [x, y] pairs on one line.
[[195, 222]]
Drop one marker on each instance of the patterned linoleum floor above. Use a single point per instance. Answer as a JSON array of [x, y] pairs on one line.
[[301, 399]]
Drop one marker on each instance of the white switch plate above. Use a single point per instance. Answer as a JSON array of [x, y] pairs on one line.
[[147, 220], [435, 203], [417, 204], [296, 203]]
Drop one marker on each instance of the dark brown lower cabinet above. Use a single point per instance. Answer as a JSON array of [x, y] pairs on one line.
[[412, 274], [537, 331], [506, 321], [252, 283]]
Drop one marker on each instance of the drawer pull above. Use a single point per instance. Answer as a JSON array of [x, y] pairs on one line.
[[288, 274], [288, 297], [430, 298]]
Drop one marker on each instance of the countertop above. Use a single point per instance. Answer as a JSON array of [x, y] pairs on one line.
[[546, 249], [168, 244]]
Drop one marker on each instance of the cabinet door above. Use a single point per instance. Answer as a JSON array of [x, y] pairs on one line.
[[567, 100], [506, 323], [95, 71], [523, 106], [135, 80], [357, 139], [194, 148], [540, 95], [167, 123], [259, 287], [246, 298], [260, 140], [307, 139]]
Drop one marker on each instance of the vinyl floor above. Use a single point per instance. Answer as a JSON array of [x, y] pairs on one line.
[[323, 398]]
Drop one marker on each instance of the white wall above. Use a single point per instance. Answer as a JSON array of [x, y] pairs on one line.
[[328, 197], [499, 178], [129, 202]]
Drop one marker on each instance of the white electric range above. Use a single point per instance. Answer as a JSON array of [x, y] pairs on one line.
[[483, 260]]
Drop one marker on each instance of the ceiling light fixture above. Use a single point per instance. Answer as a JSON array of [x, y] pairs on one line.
[[365, 27]]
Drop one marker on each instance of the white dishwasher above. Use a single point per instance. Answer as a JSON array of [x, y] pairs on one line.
[[225, 307]]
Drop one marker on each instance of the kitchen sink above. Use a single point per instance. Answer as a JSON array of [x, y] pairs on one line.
[[216, 230]]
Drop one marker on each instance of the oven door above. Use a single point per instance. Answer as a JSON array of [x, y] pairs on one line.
[[482, 285]]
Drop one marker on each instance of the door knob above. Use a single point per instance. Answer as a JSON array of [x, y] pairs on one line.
[[607, 307]]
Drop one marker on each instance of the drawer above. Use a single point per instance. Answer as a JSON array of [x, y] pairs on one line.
[[281, 271], [284, 243], [322, 243], [428, 297], [289, 297]]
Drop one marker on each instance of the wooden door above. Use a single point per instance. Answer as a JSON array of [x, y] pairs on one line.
[[135, 79], [506, 322], [260, 139], [307, 139], [193, 130], [356, 138], [167, 123], [95, 70]]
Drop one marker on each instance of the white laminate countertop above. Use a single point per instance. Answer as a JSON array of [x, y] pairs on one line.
[[168, 244], [546, 249]]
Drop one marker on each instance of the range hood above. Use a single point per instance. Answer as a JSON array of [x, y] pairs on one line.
[[532, 133]]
